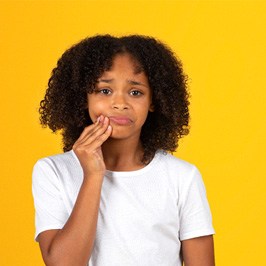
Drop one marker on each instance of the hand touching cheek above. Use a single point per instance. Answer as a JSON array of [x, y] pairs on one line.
[[88, 147]]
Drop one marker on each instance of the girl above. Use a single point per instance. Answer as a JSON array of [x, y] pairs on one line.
[[115, 196]]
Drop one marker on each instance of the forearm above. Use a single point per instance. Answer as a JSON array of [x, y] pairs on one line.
[[73, 244]]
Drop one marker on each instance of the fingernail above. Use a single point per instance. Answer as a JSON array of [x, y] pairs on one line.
[[105, 120], [97, 120]]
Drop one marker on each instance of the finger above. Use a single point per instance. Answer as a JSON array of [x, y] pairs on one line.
[[89, 129], [93, 145], [99, 124], [98, 131], [97, 143]]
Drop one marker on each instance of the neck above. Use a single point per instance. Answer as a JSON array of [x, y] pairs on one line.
[[122, 155]]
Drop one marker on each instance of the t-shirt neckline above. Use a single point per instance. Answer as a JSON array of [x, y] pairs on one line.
[[138, 172]]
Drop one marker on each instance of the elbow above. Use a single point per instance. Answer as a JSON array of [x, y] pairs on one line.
[[52, 259], [57, 258]]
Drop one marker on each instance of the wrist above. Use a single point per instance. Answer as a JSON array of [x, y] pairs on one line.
[[93, 178]]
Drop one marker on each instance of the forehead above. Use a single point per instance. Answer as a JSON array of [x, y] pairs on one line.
[[126, 62], [125, 68]]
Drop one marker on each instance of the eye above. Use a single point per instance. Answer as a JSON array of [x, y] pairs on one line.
[[104, 91], [136, 93]]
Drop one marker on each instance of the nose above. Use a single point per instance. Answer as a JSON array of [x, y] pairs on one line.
[[119, 102]]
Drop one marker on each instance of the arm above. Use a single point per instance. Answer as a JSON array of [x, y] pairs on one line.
[[198, 251], [73, 244]]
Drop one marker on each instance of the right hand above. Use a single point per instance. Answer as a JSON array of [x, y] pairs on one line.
[[88, 147]]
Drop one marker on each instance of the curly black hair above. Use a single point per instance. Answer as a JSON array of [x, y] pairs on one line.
[[77, 71]]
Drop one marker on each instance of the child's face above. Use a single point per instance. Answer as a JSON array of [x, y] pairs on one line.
[[123, 95]]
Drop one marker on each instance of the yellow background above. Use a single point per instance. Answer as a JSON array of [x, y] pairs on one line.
[[222, 45]]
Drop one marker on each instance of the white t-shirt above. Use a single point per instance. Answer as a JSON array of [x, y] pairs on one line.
[[143, 214]]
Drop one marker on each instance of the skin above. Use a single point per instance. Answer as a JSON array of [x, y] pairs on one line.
[[73, 244], [198, 251], [121, 93], [119, 106]]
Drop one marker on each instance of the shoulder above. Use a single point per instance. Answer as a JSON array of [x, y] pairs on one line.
[[176, 164], [62, 159], [181, 173], [54, 165]]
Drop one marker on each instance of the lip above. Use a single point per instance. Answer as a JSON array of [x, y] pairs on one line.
[[121, 120]]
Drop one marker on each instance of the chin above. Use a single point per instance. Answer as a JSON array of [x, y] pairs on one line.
[[120, 134]]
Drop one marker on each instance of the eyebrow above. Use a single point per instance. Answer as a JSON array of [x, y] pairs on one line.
[[105, 80], [132, 82]]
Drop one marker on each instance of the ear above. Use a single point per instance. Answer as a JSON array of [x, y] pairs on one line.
[[151, 108]]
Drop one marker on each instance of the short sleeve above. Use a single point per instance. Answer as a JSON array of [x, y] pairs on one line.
[[50, 211], [194, 210]]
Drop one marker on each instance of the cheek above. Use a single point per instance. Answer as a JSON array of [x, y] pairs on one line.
[[144, 106], [96, 108], [142, 112]]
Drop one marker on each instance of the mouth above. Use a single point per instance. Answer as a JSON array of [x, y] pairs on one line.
[[120, 120]]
